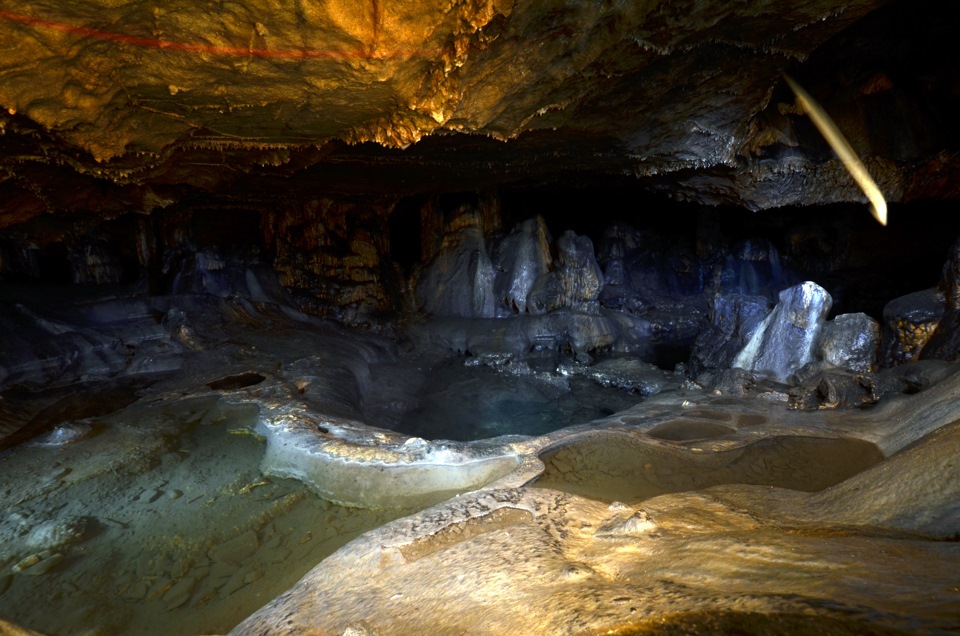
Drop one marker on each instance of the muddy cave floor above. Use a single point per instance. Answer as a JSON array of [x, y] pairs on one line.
[[184, 499]]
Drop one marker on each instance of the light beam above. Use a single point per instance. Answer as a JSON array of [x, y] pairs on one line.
[[830, 132]]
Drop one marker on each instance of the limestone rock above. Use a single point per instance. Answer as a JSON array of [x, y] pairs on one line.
[[787, 338], [909, 321], [580, 276], [65, 433], [629, 374], [332, 256], [619, 240], [460, 279], [752, 268], [56, 533], [733, 320], [546, 294], [519, 259], [38, 564], [851, 341], [832, 389]]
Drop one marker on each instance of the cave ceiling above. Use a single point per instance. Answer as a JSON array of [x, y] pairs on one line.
[[114, 106]]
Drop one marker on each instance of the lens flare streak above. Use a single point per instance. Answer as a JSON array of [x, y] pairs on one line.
[[840, 146]]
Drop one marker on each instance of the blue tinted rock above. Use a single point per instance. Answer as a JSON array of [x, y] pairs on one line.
[[786, 340], [733, 319], [635, 332], [519, 259], [851, 341], [754, 268], [619, 240], [577, 331], [559, 330]]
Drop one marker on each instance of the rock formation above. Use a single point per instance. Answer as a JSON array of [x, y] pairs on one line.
[[786, 339]]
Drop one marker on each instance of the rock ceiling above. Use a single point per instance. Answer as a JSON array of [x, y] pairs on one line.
[[119, 106]]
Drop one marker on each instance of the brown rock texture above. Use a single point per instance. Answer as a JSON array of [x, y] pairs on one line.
[[110, 106]]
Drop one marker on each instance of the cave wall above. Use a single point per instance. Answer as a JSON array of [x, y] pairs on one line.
[[364, 261], [343, 149]]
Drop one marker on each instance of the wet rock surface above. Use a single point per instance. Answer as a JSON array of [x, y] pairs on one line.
[[266, 394], [785, 340]]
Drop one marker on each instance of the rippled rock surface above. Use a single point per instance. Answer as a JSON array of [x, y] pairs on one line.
[[246, 442], [730, 557]]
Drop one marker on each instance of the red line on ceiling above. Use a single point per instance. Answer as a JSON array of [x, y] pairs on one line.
[[188, 47]]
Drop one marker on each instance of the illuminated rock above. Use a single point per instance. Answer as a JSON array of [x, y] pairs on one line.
[[343, 462], [909, 321], [787, 338], [751, 554], [733, 320]]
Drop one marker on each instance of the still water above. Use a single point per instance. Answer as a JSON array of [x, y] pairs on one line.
[[158, 521]]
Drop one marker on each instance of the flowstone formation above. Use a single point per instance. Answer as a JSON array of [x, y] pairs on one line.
[[722, 560]]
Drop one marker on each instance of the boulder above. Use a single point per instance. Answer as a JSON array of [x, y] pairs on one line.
[[909, 321], [851, 341], [787, 338]]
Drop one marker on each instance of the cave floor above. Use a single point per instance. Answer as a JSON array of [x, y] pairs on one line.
[[159, 522], [184, 508]]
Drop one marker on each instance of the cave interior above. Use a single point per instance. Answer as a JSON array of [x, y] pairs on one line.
[[405, 319]]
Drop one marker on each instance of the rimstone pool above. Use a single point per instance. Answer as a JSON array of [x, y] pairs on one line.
[[208, 493]]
